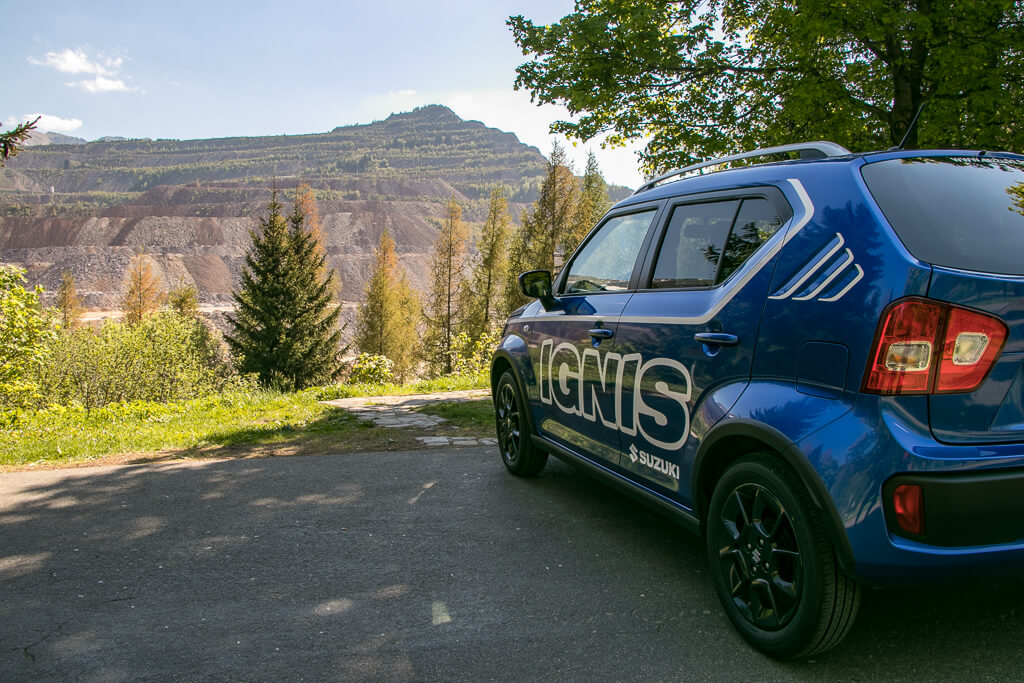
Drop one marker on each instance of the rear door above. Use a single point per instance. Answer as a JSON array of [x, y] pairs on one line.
[[692, 327]]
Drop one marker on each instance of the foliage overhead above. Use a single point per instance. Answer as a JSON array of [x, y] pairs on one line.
[[702, 78], [285, 326]]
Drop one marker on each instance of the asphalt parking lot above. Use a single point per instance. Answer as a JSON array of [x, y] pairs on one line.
[[430, 565]]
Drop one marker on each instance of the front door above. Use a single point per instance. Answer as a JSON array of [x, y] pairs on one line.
[[571, 343]]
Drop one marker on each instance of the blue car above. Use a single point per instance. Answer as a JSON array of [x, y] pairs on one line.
[[817, 364]]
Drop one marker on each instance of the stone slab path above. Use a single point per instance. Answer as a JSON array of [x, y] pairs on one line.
[[398, 412]]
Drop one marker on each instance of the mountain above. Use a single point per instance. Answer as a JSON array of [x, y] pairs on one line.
[[40, 138], [89, 207]]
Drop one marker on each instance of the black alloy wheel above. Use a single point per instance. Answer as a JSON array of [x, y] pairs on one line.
[[518, 453], [772, 563]]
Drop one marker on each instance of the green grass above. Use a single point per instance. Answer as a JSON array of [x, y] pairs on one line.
[[476, 415], [423, 386], [228, 425]]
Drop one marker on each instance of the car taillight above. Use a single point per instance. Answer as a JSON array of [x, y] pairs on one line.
[[924, 347]]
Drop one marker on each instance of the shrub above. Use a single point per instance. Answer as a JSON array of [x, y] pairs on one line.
[[474, 356], [371, 369], [166, 357], [25, 330]]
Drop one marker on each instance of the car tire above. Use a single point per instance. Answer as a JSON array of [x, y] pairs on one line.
[[518, 453], [773, 566]]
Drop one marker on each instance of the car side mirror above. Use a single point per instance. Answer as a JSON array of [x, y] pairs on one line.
[[536, 284]]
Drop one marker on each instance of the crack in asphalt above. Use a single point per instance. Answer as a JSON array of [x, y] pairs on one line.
[[26, 648]]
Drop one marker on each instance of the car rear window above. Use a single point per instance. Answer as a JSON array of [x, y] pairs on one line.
[[960, 212]]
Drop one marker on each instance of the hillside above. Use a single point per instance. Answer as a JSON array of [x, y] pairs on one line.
[[90, 207]]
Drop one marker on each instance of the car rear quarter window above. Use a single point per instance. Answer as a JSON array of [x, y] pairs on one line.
[[959, 212]]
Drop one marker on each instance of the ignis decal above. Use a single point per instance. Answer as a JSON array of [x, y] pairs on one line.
[[654, 462], [626, 393]]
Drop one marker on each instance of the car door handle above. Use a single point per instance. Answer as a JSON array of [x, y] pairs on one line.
[[601, 333], [719, 338]]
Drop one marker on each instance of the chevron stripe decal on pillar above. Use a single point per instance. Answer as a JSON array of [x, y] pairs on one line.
[[827, 276]]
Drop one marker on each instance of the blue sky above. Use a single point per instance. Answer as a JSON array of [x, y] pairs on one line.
[[188, 69]]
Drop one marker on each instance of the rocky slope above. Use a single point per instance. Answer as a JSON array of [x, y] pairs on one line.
[[88, 208]]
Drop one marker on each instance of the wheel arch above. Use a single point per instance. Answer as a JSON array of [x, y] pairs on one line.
[[729, 442], [502, 362]]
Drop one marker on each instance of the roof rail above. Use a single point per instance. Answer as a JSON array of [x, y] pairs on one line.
[[820, 149]]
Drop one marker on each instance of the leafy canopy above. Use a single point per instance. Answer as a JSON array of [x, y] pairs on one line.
[[701, 78]]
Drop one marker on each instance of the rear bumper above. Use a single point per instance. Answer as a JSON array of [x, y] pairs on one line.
[[973, 496], [969, 509]]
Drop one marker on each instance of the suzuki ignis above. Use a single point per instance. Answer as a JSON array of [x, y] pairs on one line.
[[815, 363]]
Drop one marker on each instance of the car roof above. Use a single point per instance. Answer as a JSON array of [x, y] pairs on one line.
[[766, 172]]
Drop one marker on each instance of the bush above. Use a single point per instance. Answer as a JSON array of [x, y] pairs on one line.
[[25, 330], [166, 357], [371, 369], [474, 356]]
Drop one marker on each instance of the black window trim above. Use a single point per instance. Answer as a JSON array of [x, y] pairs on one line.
[[772, 194]]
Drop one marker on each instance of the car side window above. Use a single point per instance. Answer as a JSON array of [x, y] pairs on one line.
[[706, 243], [757, 221], [605, 262], [693, 242]]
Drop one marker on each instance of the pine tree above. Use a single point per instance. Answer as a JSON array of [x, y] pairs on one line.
[[285, 326], [386, 322], [593, 204], [445, 309], [145, 292], [491, 271], [68, 302]]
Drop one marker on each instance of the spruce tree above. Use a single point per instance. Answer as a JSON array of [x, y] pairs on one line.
[[386, 322], [445, 309], [491, 271], [285, 326]]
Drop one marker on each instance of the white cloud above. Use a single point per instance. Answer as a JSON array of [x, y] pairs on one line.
[[105, 69], [47, 123], [77, 62], [103, 84]]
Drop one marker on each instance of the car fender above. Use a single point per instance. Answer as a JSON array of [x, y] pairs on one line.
[[749, 426], [514, 354]]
